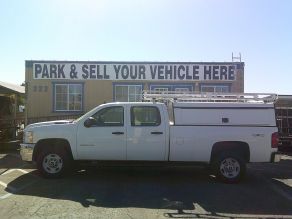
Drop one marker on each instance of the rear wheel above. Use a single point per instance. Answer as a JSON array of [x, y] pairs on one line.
[[229, 167], [53, 163]]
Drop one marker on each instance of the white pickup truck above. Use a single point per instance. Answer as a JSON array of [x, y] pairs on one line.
[[226, 135]]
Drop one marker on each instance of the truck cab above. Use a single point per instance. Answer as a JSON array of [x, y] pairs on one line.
[[124, 131]]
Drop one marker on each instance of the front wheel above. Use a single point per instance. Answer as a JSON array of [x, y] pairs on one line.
[[52, 164], [229, 167]]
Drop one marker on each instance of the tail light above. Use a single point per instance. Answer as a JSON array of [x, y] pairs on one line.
[[275, 140]]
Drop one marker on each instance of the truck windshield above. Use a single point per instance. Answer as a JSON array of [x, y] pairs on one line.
[[81, 117]]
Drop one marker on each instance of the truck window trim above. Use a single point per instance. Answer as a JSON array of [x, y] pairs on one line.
[[158, 123], [111, 124]]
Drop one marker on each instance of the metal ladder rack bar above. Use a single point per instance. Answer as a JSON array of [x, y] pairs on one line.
[[175, 96]]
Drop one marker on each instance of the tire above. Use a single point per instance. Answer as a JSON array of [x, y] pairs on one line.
[[53, 163], [229, 167]]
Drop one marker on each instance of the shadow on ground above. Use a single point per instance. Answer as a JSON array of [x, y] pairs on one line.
[[10, 161], [166, 188]]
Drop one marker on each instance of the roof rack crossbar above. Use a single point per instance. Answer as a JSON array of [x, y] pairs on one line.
[[179, 96]]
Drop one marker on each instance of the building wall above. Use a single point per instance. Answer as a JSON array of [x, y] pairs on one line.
[[41, 92]]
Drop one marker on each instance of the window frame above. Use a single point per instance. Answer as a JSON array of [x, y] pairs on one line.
[[172, 86], [128, 85], [181, 89], [55, 84], [161, 89], [141, 125], [109, 107], [214, 86]]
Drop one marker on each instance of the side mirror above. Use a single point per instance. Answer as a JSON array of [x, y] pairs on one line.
[[90, 122]]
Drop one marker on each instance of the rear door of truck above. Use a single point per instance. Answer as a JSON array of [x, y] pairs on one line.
[[147, 134]]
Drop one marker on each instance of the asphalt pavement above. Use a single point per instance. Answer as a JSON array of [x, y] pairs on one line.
[[144, 192]]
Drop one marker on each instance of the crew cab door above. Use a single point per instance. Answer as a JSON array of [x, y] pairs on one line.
[[102, 136], [146, 133]]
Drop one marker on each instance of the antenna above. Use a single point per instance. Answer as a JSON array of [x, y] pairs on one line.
[[236, 57]]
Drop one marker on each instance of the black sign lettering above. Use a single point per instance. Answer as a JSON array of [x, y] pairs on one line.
[[142, 70], [188, 76], [125, 72], [196, 72], [223, 72], [105, 76], [231, 72], [153, 71], [45, 73], [160, 72], [98, 73], [215, 72], [73, 72], [53, 71], [37, 70], [168, 72], [181, 75], [133, 72], [174, 72], [207, 73], [92, 71], [85, 71], [61, 71], [117, 70]]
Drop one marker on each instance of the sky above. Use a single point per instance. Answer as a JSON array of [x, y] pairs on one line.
[[151, 30]]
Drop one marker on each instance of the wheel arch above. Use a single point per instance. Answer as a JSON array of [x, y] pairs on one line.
[[238, 147], [55, 143]]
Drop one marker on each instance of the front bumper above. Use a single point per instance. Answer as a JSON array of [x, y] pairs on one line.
[[26, 151]]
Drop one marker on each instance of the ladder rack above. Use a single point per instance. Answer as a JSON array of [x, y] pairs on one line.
[[182, 96]]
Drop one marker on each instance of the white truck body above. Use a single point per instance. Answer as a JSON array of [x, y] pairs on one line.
[[193, 136], [198, 126]]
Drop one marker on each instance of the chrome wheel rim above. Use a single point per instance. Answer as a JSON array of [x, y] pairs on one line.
[[230, 168], [52, 163]]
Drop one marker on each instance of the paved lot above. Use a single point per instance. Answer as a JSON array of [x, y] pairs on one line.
[[144, 193]]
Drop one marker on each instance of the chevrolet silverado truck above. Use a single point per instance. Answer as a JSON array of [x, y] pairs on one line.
[[226, 135]]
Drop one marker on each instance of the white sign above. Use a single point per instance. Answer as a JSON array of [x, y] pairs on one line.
[[135, 71]]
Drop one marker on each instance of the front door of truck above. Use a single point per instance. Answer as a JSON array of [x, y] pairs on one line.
[[103, 135], [146, 132]]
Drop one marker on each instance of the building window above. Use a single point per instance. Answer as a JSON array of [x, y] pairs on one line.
[[68, 97], [161, 89], [215, 89], [181, 89], [128, 93], [171, 87]]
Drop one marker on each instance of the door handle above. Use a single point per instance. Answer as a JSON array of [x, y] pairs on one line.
[[117, 133], [156, 133]]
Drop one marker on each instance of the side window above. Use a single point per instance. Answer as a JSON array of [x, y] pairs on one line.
[[145, 116], [110, 116]]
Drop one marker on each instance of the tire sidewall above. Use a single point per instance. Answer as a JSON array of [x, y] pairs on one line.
[[61, 154], [217, 163]]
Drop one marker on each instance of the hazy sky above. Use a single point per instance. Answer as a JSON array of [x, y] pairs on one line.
[[158, 30]]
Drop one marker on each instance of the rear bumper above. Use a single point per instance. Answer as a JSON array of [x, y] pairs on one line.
[[26, 151], [276, 157]]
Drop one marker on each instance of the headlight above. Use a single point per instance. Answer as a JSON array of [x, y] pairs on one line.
[[28, 137]]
